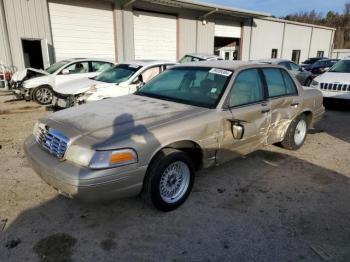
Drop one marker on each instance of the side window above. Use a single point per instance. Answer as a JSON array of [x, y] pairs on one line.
[[247, 88], [150, 73], [294, 67], [286, 65], [78, 68], [290, 85], [100, 66], [275, 82]]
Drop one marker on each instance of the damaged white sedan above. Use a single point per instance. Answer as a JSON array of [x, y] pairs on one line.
[[123, 79], [38, 85]]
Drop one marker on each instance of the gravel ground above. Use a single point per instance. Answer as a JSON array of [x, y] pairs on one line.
[[272, 205]]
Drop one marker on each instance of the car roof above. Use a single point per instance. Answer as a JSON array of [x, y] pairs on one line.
[[273, 61], [203, 55], [223, 64], [146, 62]]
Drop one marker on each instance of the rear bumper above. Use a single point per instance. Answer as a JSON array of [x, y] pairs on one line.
[[83, 183]]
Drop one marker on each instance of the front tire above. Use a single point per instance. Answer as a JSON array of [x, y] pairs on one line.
[[43, 95], [169, 179], [296, 133]]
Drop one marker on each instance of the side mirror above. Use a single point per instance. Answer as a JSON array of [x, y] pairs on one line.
[[65, 72], [237, 131]]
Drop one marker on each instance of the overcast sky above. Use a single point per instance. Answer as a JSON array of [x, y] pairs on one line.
[[284, 7]]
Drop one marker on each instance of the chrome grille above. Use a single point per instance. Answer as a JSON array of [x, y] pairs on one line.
[[52, 140], [335, 87]]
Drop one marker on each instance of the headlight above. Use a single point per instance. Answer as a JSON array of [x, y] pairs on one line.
[[107, 159], [315, 83], [100, 159]]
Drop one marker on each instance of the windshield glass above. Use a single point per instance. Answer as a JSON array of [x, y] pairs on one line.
[[53, 68], [189, 59], [342, 66], [198, 86], [118, 74]]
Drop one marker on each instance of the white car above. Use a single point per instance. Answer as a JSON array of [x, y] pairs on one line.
[[336, 82], [123, 79], [38, 85]]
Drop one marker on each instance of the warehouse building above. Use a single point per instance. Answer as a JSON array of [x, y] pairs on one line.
[[37, 33]]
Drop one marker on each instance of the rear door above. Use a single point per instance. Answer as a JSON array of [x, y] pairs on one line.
[[248, 109], [284, 101]]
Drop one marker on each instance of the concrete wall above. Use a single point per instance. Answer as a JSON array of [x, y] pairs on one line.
[[340, 53], [296, 38], [265, 37], [26, 20], [322, 40], [5, 54], [266, 34]]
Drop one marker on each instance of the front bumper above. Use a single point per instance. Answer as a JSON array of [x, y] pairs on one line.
[[22, 93], [83, 183], [336, 94]]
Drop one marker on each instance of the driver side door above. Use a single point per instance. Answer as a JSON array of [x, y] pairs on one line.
[[247, 117]]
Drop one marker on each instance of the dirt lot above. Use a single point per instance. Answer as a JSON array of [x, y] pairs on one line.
[[273, 205]]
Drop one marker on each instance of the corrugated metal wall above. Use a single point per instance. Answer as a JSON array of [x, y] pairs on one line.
[[26, 19], [5, 54]]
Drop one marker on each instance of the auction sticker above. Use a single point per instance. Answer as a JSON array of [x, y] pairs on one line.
[[220, 72]]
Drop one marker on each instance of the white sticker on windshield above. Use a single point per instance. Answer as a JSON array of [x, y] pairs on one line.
[[220, 72]]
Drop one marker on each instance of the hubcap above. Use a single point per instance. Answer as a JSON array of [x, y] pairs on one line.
[[300, 132], [44, 95], [174, 182]]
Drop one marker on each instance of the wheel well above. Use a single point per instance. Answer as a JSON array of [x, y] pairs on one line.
[[308, 115], [193, 150]]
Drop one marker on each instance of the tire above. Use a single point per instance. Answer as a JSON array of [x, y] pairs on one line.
[[296, 134], [308, 82], [43, 95], [156, 188]]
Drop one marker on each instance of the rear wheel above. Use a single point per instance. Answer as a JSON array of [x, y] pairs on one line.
[[43, 95], [169, 179], [296, 134]]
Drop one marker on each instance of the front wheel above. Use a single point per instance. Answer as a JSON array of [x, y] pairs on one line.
[[169, 179], [43, 95], [296, 134]]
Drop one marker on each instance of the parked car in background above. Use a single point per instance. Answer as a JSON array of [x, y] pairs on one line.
[[303, 76], [309, 62], [38, 85], [322, 66], [190, 116], [122, 79], [196, 57], [335, 83]]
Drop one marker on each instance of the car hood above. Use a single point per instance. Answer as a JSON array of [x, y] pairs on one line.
[[118, 118], [77, 86], [21, 74], [329, 77]]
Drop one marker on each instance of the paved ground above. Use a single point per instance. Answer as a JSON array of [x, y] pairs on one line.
[[273, 205]]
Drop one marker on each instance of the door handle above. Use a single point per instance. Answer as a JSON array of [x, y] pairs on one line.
[[294, 104], [265, 111]]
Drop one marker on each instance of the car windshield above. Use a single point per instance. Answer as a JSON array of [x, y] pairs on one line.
[[198, 86], [189, 59], [118, 74], [53, 68], [342, 66]]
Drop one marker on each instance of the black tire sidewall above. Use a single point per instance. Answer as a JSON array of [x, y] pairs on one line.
[[35, 92], [155, 177]]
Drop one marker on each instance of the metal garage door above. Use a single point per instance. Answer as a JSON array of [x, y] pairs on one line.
[[227, 29], [82, 28], [154, 36]]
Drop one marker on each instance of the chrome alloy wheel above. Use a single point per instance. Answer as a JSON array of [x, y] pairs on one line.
[[174, 182], [43, 95], [300, 132]]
